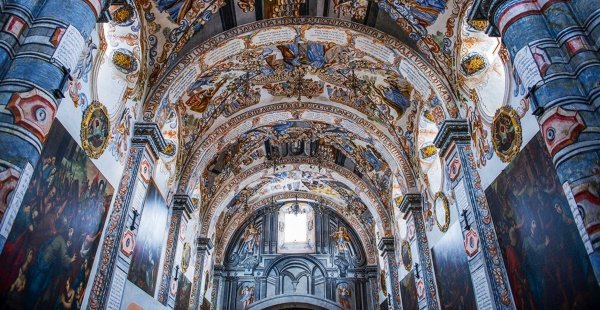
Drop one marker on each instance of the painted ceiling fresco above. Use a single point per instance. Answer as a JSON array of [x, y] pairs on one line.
[[258, 99]]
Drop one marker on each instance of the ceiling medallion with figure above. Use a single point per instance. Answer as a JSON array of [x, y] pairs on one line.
[[506, 133], [95, 130]]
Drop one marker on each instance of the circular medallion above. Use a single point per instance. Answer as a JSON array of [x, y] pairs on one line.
[[382, 277], [441, 211], [185, 257], [95, 130], [473, 63], [506, 133], [406, 255]]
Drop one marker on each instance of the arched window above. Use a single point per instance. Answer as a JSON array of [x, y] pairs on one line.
[[296, 222]]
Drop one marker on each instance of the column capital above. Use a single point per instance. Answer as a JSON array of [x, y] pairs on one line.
[[185, 204], [410, 202], [205, 244], [149, 133], [451, 131], [386, 245], [485, 10]]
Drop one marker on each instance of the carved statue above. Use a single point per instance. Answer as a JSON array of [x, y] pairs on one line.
[[342, 240], [249, 240], [247, 296]]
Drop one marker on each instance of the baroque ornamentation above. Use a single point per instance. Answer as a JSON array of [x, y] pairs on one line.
[[95, 130], [506, 133]]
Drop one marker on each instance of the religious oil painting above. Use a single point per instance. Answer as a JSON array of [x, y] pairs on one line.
[[450, 263], [506, 133], [534, 223], [95, 129], [150, 238], [184, 289], [48, 255], [408, 291]]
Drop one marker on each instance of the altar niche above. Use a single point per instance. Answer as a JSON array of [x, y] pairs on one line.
[[326, 261], [296, 229]]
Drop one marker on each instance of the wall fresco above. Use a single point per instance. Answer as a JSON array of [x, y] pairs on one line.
[[48, 256], [184, 288], [149, 242], [450, 264], [534, 223], [408, 292]]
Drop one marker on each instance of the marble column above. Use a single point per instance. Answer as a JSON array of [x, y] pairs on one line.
[[35, 56], [204, 246], [412, 207], [117, 248], [553, 46], [183, 208], [488, 272], [387, 248]]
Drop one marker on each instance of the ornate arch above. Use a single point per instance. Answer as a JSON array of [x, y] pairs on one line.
[[242, 217], [224, 134], [226, 192]]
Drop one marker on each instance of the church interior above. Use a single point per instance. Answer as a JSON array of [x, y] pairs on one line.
[[299, 154]]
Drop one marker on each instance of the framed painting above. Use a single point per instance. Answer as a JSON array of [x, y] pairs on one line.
[[150, 238], [534, 222], [50, 250], [453, 278]]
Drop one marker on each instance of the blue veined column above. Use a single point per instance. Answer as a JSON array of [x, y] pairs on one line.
[[30, 34], [412, 206], [553, 45]]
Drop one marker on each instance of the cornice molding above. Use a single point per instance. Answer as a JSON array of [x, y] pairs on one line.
[[410, 202], [386, 245], [149, 133], [452, 131], [185, 204]]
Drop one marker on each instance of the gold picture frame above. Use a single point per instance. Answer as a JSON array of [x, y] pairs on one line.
[[95, 130], [406, 255], [186, 256], [441, 201], [382, 278], [506, 133]]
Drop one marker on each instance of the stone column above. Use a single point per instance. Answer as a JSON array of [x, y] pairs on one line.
[[488, 272], [553, 46], [34, 60], [183, 208], [117, 248], [412, 206], [386, 246], [203, 252]]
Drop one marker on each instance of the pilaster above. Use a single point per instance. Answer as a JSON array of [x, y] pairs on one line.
[[387, 248], [116, 249], [487, 269], [412, 207], [204, 246], [183, 207]]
